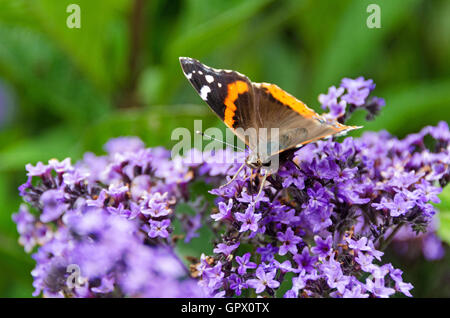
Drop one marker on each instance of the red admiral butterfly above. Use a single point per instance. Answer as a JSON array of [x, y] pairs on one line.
[[244, 105]]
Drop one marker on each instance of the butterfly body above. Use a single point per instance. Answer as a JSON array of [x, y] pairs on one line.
[[269, 120]]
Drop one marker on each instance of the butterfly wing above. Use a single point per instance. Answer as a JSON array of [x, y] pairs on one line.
[[228, 93], [297, 123], [246, 108]]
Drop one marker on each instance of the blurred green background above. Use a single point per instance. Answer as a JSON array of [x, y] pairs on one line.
[[66, 91]]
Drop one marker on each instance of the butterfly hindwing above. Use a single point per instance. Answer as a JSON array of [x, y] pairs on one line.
[[297, 123]]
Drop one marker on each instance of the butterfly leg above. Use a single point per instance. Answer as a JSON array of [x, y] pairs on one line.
[[234, 177], [263, 181]]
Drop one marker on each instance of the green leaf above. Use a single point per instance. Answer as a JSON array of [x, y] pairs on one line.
[[444, 226], [198, 32], [198, 29], [45, 79], [410, 107], [154, 125], [57, 143], [98, 46], [444, 215], [353, 43]]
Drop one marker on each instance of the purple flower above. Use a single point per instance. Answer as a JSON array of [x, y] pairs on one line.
[[120, 210], [396, 275], [356, 97], [378, 289], [325, 169], [215, 276], [334, 275], [124, 144], [319, 198], [357, 84], [298, 283], [432, 247], [289, 240], [323, 246], [267, 252], [117, 191], [224, 211], [156, 205], [159, 228], [60, 167], [331, 98], [244, 263], [248, 219], [337, 109], [39, 170], [251, 198], [98, 201], [140, 187], [356, 291], [237, 284], [292, 176], [53, 205], [360, 245], [399, 206], [75, 177], [426, 192], [440, 132], [106, 286], [226, 249], [284, 267], [263, 280], [305, 261], [365, 261]]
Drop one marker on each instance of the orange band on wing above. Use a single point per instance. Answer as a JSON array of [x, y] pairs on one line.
[[234, 89], [289, 100]]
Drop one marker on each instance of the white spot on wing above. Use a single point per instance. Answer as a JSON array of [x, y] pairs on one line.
[[204, 92], [189, 76], [200, 72], [219, 84], [209, 78]]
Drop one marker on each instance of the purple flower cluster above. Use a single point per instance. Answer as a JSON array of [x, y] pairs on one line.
[[322, 222], [349, 96], [318, 229], [112, 217]]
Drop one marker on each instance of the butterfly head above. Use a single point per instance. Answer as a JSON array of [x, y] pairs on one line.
[[256, 162]]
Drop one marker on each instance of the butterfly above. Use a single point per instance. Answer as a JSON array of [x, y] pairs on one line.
[[251, 110]]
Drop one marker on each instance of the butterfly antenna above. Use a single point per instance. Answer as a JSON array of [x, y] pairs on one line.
[[212, 138]]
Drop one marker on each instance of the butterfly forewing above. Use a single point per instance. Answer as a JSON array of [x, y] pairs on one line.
[[228, 93], [252, 108]]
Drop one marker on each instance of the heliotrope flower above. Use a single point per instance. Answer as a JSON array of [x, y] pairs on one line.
[[244, 263], [289, 242], [249, 219], [323, 246], [224, 211], [263, 280]]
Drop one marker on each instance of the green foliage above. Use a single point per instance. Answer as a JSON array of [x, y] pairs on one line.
[[444, 215], [73, 89]]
